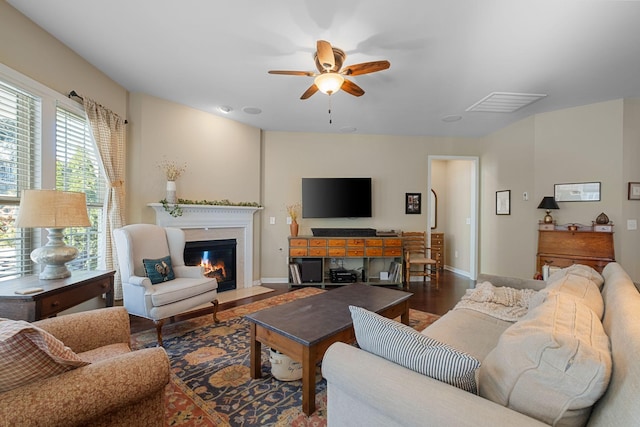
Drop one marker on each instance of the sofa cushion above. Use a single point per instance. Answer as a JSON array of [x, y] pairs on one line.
[[28, 353], [552, 365], [578, 270], [581, 288], [405, 346], [159, 270], [469, 331]]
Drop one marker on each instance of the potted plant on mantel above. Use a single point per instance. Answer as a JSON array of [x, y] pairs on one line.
[[293, 211]]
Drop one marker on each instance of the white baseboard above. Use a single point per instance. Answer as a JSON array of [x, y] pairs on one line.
[[274, 280], [458, 271]]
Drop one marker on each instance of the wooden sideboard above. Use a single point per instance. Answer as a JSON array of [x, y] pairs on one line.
[[437, 249], [563, 248], [368, 255]]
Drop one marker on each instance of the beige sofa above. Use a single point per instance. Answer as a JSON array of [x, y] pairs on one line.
[[118, 388], [366, 390]]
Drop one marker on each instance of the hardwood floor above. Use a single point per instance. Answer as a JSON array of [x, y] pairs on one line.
[[426, 297]]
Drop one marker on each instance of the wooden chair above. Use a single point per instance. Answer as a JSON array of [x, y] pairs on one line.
[[417, 253]]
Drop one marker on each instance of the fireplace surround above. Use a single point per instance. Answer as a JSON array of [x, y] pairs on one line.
[[205, 222]]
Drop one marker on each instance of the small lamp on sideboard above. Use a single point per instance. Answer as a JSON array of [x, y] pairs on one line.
[[548, 203], [54, 210]]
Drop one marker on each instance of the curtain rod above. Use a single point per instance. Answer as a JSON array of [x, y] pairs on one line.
[[74, 93]]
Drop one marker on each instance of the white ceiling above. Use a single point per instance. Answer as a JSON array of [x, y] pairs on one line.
[[445, 55]]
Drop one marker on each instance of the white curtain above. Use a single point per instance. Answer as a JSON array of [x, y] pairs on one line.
[[109, 133]]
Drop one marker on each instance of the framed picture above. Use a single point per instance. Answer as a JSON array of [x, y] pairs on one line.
[[503, 202], [577, 192], [634, 191], [413, 203]]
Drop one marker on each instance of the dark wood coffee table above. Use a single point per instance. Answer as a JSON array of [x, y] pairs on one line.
[[305, 328]]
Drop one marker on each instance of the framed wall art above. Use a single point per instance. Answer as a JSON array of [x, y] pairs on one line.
[[577, 192], [634, 191], [503, 202], [413, 203]]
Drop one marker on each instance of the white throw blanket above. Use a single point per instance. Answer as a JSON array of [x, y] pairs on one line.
[[500, 302]]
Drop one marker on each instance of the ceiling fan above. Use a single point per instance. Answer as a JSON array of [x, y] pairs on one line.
[[330, 77]]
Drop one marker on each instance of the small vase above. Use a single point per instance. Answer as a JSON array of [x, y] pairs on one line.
[[293, 228], [171, 192]]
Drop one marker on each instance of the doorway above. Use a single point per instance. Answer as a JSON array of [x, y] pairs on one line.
[[455, 180]]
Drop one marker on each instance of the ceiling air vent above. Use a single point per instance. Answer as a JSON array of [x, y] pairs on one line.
[[504, 102]]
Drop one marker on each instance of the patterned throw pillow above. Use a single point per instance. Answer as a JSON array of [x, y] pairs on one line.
[[28, 354], [405, 346], [159, 270]]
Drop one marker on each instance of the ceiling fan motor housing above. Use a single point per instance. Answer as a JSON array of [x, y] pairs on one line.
[[339, 57]]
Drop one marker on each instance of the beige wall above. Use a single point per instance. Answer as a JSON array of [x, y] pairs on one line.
[[46, 60], [397, 165], [222, 157], [507, 242], [629, 240]]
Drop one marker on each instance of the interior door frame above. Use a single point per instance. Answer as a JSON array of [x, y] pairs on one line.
[[474, 203]]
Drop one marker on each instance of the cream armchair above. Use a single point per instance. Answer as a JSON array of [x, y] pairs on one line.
[[158, 302]]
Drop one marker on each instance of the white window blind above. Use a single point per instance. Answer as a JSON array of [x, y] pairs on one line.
[[78, 169], [20, 125]]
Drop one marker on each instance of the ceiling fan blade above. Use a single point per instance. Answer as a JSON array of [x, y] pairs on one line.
[[312, 89], [352, 88], [365, 68], [293, 73], [325, 54]]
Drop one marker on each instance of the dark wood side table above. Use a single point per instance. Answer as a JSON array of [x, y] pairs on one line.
[[56, 296]]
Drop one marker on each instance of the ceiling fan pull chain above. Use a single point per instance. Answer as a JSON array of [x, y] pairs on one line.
[[330, 121]]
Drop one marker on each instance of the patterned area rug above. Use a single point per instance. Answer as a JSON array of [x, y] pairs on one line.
[[210, 380]]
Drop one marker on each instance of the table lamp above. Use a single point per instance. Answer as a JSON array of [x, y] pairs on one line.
[[548, 203], [53, 210]]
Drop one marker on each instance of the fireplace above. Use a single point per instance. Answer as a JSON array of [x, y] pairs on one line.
[[218, 257]]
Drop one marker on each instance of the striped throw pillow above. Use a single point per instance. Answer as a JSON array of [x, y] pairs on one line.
[[405, 346]]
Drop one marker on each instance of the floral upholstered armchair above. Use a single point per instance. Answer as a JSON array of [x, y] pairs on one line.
[[116, 387]]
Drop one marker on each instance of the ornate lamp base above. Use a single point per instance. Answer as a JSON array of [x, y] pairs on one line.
[[54, 255]]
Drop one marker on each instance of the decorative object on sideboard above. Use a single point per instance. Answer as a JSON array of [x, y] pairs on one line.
[[602, 223], [548, 203], [294, 211], [634, 191], [54, 210], [503, 202], [577, 192], [602, 219], [572, 227]]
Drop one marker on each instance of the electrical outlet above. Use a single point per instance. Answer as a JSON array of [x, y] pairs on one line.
[[455, 254], [525, 196], [288, 220], [632, 224], [272, 220]]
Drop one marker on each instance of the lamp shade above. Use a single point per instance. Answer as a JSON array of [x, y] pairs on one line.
[[548, 202], [52, 209], [329, 83]]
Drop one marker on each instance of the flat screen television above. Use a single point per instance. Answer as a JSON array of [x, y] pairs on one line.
[[336, 197]]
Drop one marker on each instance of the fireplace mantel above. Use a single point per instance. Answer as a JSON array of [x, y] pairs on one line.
[[217, 217]]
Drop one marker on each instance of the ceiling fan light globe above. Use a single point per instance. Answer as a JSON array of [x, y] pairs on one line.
[[329, 83]]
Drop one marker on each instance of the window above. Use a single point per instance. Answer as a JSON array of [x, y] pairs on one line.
[[45, 142]]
